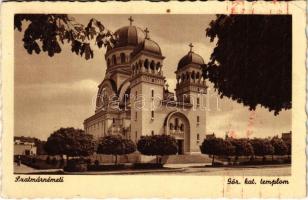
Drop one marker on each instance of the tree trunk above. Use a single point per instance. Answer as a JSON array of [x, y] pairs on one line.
[[272, 157], [213, 160], [116, 160]]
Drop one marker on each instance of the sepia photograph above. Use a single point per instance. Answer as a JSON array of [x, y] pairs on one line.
[[154, 100], [164, 94]]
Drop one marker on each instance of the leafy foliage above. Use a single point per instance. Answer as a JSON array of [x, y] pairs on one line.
[[242, 147], [212, 146], [47, 31], [217, 146], [158, 145], [262, 147], [252, 60], [70, 142], [280, 148], [115, 145]]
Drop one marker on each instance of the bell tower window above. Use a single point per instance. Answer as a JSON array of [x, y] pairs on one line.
[[123, 58], [114, 60]]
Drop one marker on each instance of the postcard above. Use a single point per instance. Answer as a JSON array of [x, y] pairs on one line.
[[153, 99]]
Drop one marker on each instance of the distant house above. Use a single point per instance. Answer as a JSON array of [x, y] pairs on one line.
[[287, 137], [208, 136], [24, 146]]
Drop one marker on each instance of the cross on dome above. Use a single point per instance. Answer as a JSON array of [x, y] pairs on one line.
[[191, 46], [146, 33], [130, 19]]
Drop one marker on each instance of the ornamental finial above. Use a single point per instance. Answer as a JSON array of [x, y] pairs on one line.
[[130, 19]]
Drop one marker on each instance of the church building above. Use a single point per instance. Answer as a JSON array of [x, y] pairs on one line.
[[134, 100]]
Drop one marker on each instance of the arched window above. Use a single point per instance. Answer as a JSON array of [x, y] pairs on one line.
[[193, 75], [152, 65], [183, 78], [171, 126], [123, 58], [114, 60], [146, 64], [176, 123], [158, 66], [182, 127], [198, 76]]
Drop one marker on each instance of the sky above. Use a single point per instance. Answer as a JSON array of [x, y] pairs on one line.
[[59, 91]]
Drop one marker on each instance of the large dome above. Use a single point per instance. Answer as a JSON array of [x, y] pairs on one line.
[[149, 46], [128, 36], [190, 58]]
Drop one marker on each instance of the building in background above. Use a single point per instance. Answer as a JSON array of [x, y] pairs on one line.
[[24, 146], [287, 137]]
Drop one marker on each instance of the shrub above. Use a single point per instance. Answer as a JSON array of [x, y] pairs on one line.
[[70, 142], [262, 147], [217, 146], [115, 145], [75, 165], [157, 145], [280, 148], [242, 147]]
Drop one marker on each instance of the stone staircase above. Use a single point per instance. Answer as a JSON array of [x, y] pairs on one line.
[[182, 159]]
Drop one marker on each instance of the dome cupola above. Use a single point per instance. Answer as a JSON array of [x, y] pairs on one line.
[[190, 58], [128, 36], [147, 45]]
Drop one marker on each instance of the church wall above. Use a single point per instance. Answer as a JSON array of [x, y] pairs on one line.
[[136, 120]]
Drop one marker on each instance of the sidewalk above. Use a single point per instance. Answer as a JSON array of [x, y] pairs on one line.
[[126, 172], [24, 169]]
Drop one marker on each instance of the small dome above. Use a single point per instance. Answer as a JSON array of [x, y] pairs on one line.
[[128, 36], [149, 46], [190, 58]]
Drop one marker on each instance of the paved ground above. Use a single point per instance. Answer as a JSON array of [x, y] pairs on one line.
[[24, 169], [273, 170], [181, 169]]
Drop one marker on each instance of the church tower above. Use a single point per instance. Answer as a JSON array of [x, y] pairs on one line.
[[191, 90], [147, 88], [191, 86]]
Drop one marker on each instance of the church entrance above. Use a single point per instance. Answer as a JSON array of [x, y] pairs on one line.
[[180, 144]]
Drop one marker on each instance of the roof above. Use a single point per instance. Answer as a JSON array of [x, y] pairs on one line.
[[128, 36], [190, 58], [149, 46]]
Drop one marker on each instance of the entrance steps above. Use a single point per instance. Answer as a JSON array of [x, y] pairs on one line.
[[182, 159]]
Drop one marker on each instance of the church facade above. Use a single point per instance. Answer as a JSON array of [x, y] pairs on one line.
[[133, 99]]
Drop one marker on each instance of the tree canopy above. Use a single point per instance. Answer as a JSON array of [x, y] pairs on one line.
[[280, 148], [252, 60], [46, 32], [242, 147], [70, 142], [217, 146], [262, 147], [158, 145], [115, 145]]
